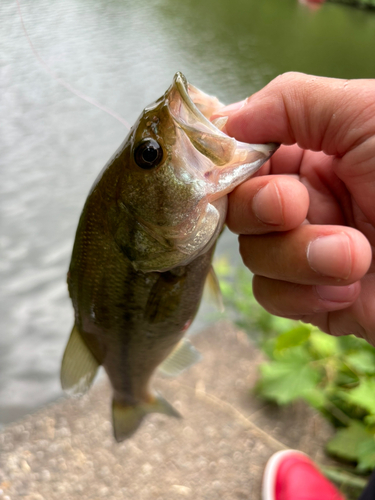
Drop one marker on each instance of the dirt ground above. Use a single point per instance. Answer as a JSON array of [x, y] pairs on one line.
[[217, 451]]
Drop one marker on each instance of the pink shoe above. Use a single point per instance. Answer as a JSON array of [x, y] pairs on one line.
[[291, 475]]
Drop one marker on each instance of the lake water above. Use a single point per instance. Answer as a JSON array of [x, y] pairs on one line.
[[123, 54]]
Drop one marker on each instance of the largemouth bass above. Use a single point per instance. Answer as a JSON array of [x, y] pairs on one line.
[[143, 249]]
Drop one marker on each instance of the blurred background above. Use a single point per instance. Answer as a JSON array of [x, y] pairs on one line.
[[53, 144]]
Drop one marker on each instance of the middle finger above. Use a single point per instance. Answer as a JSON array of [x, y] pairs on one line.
[[310, 255]]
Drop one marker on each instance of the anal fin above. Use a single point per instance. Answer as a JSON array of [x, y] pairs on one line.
[[79, 366], [183, 356]]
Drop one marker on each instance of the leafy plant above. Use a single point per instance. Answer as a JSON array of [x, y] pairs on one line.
[[362, 4], [335, 375]]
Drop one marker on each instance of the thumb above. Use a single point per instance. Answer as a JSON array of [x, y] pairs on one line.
[[320, 114]]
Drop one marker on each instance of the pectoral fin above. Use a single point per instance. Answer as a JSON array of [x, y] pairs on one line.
[[183, 356], [212, 289], [164, 296], [127, 419], [79, 366]]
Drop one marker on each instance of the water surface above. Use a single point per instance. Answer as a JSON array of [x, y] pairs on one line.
[[123, 54]]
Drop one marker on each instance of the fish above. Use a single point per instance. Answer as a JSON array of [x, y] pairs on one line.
[[143, 250]]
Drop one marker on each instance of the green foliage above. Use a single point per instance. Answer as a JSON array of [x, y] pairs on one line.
[[355, 443], [362, 4], [335, 375], [289, 377]]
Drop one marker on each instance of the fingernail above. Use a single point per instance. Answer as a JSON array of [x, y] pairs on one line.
[[267, 205], [220, 122], [331, 256], [337, 293]]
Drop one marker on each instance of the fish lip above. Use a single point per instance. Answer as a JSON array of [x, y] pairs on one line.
[[180, 81], [181, 84]]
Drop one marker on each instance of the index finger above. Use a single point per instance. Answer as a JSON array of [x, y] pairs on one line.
[[267, 203]]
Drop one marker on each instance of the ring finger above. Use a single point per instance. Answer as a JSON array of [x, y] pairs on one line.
[[296, 301]]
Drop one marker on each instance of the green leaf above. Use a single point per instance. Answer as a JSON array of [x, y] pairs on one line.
[[222, 267], [350, 342], [347, 442], [291, 338], [363, 395], [323, 344], [345, 376], [297, 355], [316, 398], [361, 362], [369, 420], [226, 288], [285, 380], [366, 455], [281, 324]]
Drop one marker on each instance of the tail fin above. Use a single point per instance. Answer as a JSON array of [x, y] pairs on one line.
[[127, 419]]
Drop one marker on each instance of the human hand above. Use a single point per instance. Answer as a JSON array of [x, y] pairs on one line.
[[307, 228]]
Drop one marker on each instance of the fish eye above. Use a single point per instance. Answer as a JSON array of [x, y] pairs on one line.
[[148, 154]]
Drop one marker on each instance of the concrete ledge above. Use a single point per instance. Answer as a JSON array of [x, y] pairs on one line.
[[66, 451]]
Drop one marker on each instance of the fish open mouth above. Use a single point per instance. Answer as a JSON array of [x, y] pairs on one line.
[[199, 103], [230, 161]]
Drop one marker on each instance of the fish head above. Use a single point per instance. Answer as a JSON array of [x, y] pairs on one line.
[[178, 169]]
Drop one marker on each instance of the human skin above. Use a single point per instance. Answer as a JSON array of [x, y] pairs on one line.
[[307, 220]]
